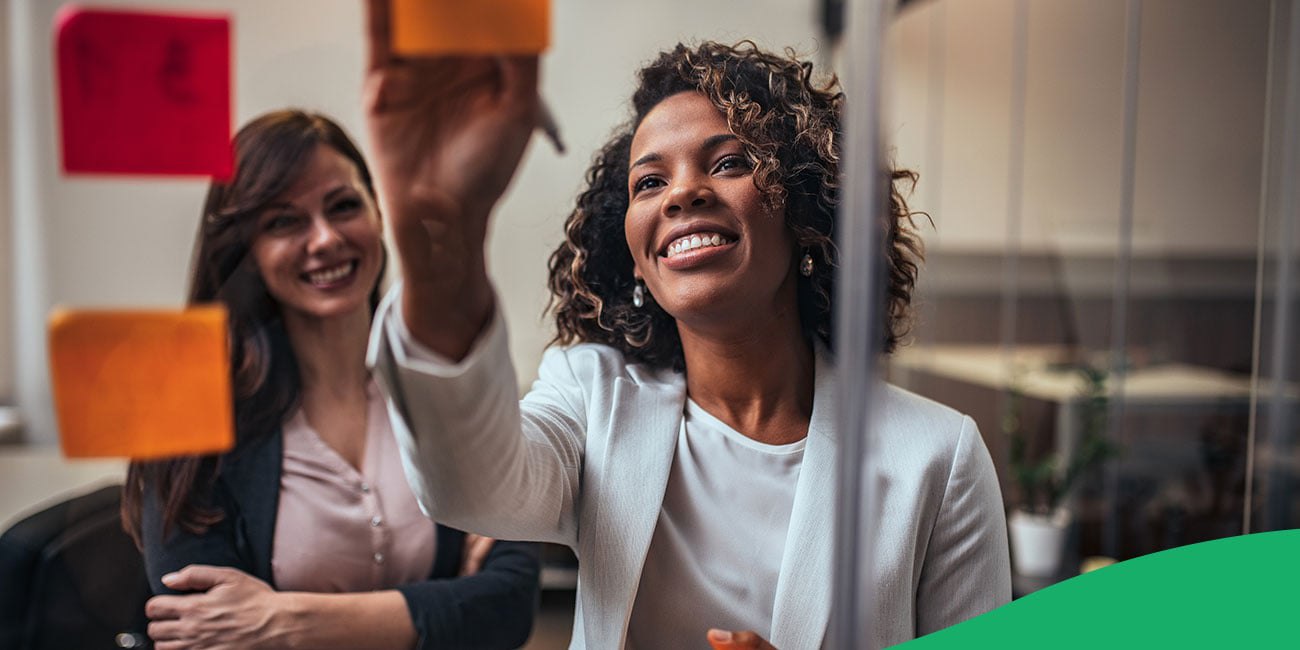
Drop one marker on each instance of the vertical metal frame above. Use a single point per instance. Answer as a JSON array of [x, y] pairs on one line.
[[858, 323]]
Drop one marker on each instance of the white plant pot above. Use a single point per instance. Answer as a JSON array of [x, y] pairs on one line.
[[1037, 542]]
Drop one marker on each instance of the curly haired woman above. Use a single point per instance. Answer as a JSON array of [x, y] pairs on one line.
[[681, 435]]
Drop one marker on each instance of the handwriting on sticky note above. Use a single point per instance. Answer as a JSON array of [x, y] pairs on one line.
[[141, 384], [143, 93], [432, 27]]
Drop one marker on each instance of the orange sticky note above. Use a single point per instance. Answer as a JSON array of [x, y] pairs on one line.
[[432, 27], [141, 384]]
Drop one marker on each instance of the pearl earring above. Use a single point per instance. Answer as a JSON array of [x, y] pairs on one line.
[[638, 294], [806, 265]]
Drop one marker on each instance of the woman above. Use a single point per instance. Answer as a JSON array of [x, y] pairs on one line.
[[306, 534], [682, 438]]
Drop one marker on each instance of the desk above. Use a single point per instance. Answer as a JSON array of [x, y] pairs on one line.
[[32, 477], [1034, 370]]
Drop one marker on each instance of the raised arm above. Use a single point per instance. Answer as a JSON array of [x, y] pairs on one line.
[[447, 134]]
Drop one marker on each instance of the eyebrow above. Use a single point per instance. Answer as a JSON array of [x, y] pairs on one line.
[[283, 205], [709, 143]]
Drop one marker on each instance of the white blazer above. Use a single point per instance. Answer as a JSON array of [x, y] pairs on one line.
[[583, 460]]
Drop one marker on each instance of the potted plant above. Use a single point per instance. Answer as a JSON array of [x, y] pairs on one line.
[[1039, 522]]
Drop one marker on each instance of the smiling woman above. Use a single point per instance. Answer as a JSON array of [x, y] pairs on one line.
[[305, 534], [681, 436]]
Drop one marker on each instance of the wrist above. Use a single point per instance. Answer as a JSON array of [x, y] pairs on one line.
[[289, 618], [446, 324]]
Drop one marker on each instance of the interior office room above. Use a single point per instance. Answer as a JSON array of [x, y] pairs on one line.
[[1105, 192]]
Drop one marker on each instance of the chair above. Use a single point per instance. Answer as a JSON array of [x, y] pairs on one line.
[[73, 579]]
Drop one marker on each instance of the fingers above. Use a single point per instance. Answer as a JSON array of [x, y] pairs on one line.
[[166, 607], [728, 640], [161, 631], [476, 551], [379, 26], [519, 78], [199, 577]]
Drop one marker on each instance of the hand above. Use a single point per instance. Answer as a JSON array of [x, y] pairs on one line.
[[236, 610], [727, 640], [476, 549], [447, 134]]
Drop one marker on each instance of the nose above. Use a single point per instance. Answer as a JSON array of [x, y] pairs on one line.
[[323, 237], [688, 192]]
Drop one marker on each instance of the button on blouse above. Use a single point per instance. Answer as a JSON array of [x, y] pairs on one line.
[[339, 529]]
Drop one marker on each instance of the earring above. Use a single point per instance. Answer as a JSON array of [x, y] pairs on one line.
[[638, 294], [806, 265]]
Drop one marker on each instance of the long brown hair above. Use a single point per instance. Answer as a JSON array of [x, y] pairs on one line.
[[789, 123], [270, 155]]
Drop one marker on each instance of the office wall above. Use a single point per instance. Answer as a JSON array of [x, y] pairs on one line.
[[106, 242], [1199, 127]]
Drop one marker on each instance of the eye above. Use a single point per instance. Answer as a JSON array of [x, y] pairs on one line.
[[346, 206], [732, 162], [646, 183], [280, 222]]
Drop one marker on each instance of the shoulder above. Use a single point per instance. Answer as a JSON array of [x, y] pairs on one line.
[[596, 363], [906, 410], [922, 429]]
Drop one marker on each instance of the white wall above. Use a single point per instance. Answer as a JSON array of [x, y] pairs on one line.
[[1199, 126], [113, 242]]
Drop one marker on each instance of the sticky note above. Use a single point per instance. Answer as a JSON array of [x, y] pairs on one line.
[[141, 384], [433, 27], [144, 93]]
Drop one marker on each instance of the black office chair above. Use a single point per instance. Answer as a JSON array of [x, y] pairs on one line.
[[72, 579]]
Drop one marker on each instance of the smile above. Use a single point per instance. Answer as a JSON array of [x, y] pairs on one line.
[[331, 275], [695, 241]]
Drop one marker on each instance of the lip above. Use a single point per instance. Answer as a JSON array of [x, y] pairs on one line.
[[697, 257], [692, 228], [343, 281]]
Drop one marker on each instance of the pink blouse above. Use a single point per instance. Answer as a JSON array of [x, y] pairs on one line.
[[340, 530]]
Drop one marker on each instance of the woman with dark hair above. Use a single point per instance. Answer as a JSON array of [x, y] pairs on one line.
[[306, 534], [681, 436]]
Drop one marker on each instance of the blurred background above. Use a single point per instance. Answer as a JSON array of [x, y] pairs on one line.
[[1107, 195]]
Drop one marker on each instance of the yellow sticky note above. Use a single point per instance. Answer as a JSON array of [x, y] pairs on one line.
[[141, 384], [435, 27]]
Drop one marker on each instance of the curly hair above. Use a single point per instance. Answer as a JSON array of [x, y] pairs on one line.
[[789, 125]]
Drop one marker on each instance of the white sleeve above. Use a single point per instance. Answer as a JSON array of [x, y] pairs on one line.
[[967, 569], [474, 459]]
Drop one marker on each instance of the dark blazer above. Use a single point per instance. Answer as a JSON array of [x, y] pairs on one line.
[[491, 609]]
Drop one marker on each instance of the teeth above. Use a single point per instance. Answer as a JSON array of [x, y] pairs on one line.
[[697, 240], [329, 276]]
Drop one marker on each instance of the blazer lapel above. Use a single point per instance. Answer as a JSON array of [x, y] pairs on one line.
[[803, 588], [639, 456], [252, 475]]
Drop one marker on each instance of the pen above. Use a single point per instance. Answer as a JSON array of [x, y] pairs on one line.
[[546, 122]]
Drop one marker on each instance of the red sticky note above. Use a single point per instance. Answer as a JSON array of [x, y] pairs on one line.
[[144, 93], [437, 27], [142, 384]]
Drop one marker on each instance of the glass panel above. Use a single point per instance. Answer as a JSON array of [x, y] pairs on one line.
[[1082, 304], [1275, 472]]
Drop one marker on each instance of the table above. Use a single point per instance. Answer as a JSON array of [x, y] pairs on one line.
[[1036, 371], [33, 477]]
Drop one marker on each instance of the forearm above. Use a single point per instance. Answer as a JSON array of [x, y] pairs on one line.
[[376, 619], [447, 314], [460, 430]]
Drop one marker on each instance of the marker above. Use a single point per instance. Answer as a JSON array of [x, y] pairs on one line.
[[546, 122]]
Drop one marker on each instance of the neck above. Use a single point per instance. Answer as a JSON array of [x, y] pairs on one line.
[[756, 376], [331, 354]]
